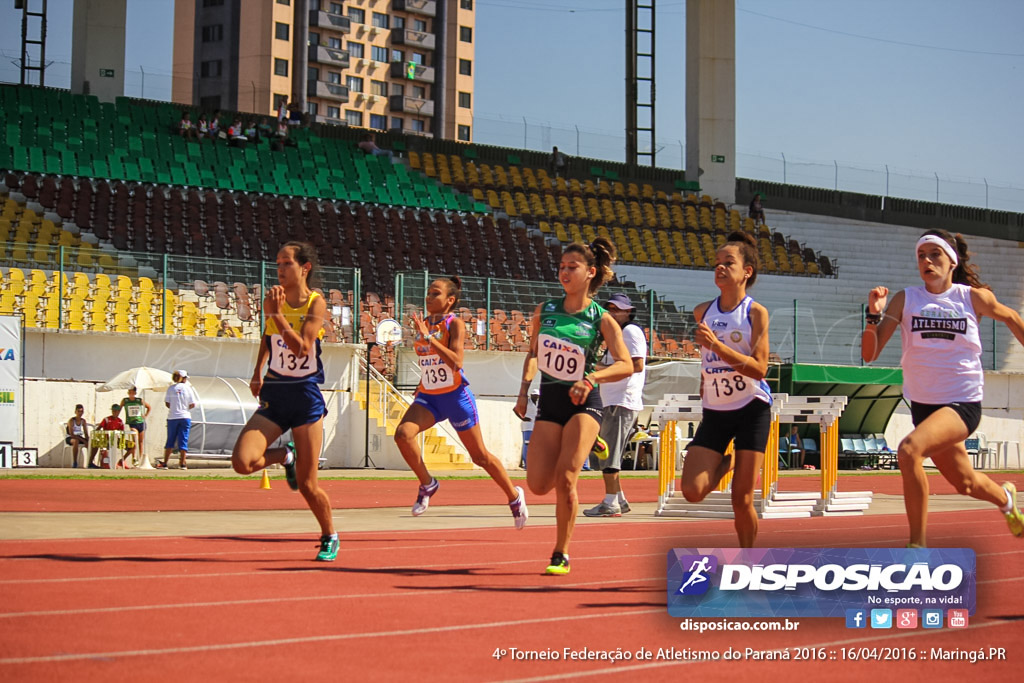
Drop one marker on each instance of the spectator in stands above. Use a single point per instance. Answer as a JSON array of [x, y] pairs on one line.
[[569, 411], [226, 330], [732, 330], [237, 134], [796, 445], [111, 423], [622, 400], [215, 131], [185, 127], [756, 211], [528, 421], [180, 400], [202, 127], [281, 139], [136, 412], [369, 145], [943, 378], [282, 111], [294, 113], [557, 163], [78, 433], [251, 133], [265, 128]]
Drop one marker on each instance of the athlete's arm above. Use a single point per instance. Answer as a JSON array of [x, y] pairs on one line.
[[301, 343], [623, 365], [875, 336], [985, 303], [148, 408], [529, 366], [453, 354], [756, 364], [256, 383]]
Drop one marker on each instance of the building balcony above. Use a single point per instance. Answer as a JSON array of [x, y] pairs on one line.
[[406, 36], [411, 105], [427, 8], [329, 55], [329, 20], [412, 72], [327, 91]]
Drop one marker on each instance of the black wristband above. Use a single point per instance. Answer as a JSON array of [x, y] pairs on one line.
[[872, 318]]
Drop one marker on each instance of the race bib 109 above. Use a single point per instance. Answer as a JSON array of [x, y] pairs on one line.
[[560, 359]]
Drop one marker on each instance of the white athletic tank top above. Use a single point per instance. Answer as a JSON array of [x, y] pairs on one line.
[[941, 347], [724, 388]]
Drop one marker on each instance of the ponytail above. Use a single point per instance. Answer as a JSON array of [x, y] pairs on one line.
[[600, 254]]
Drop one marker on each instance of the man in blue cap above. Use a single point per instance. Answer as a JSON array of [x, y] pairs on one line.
[[622, 401]]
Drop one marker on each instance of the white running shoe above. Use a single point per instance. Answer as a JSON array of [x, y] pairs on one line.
[[423, 497], [519, 512]]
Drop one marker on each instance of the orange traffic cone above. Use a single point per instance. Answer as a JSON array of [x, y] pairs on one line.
[[265, 484]]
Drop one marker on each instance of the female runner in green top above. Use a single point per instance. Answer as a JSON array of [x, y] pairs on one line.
[[565, 335]]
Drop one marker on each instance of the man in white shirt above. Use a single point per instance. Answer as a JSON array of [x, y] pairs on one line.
[[623, 401], [180, 399], [528, 422]]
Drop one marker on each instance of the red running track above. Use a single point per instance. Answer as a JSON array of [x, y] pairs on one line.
[[243, 493], [436, 605]]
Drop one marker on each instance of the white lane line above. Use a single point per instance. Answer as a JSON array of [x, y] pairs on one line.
[[411, 567], [347, 596], [620, 668], [46, 659]]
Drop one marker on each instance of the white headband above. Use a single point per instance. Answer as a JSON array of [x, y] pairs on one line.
[[942, 244]]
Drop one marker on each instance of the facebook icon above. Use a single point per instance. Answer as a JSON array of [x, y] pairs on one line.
[[856, 618]]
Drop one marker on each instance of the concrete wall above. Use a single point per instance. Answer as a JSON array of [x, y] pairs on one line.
[[97, 42]]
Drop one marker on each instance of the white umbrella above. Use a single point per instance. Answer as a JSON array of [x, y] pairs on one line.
[[141, 378]]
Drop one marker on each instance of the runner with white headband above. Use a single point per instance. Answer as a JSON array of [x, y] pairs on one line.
[[942, 373]]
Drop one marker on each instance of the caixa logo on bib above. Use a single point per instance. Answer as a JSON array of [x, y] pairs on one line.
[[822, 582]]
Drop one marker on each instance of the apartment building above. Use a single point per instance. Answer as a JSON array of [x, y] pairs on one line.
[[380, 64]]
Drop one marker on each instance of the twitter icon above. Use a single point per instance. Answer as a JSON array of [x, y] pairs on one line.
[[881, 618]]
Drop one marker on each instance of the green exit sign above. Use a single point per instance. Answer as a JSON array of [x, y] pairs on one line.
[[718, 158], [106, 73]]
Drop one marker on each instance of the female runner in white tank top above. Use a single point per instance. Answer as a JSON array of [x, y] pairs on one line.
[[942, 374], [732, 331]]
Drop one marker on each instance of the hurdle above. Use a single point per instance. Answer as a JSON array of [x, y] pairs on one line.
[[769, 501]]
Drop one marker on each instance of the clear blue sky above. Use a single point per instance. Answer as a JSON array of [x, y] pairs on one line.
[[928, 86]]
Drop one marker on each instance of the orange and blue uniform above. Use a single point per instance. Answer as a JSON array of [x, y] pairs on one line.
[[443, 390]]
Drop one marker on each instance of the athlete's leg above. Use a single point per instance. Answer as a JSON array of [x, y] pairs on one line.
[[744, 479], [542, 456], [577, 438], [935, 434], [416, 419], [703, 468], [308, 440], [250, 453], [955, 465], [473, 439]]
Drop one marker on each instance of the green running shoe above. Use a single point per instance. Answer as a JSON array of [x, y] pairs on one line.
[[559, 564], [1014, 518], [328, 549], [289, 470]]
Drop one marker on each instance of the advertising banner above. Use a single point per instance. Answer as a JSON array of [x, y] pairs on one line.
[[11, 394]]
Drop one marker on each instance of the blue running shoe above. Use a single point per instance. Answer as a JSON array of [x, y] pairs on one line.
[[328, 549]]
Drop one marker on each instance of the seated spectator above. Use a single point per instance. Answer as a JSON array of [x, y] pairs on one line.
[[557, 163], [756, 211], [265, 129], [237, 134], [186, 128], [111, 423], [202, 127], [215, 130], [226, 330], [252, 133], [77, 433], [369, 145]]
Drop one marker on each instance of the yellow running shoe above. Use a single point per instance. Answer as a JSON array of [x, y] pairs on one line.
[[600, 448], [1014, 518], [559, 564]]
